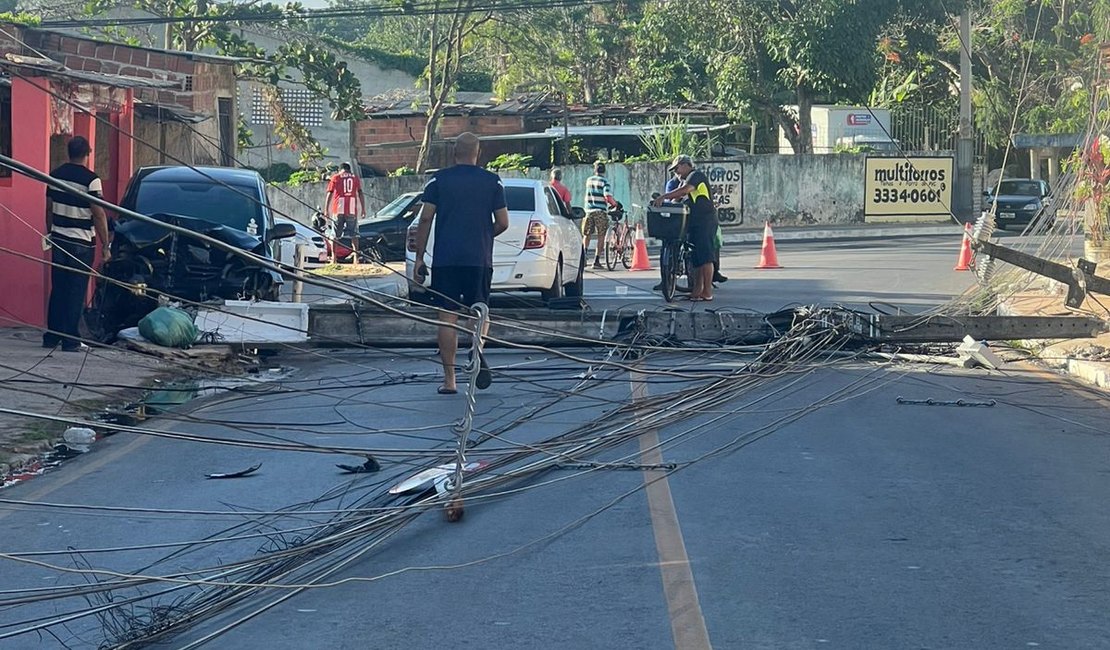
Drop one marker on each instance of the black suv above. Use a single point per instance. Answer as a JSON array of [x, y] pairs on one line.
[[383, 235], [228, 205], [1018, 201]]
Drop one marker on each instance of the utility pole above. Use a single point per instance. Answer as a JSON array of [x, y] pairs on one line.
[[963, 199]]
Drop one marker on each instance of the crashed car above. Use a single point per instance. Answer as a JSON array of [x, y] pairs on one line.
[[150, 261]]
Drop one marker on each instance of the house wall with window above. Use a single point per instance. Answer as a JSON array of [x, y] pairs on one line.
[[314, 113]]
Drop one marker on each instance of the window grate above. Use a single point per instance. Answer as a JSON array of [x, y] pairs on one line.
[[299, 104]]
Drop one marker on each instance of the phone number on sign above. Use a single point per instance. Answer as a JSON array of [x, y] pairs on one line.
[[908, 196]]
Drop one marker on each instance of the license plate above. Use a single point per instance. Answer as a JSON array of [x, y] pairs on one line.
[[1007, 215]]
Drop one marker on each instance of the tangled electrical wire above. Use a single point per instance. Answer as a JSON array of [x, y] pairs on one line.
[[138, 607]]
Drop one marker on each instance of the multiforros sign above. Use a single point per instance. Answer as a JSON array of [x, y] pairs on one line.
[[901, 186]]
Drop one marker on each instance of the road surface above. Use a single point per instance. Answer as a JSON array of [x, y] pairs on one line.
[[807, 505]]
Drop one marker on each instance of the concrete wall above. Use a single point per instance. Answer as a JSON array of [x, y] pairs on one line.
[[334, 135], [788, 190]]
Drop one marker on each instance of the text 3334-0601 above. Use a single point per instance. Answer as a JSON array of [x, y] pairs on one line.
[[907, 196]]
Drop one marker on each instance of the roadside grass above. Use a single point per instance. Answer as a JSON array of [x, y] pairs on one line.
[[354, 270]]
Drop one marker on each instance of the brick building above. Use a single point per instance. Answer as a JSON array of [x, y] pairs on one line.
[[191, 115], [529, 125], [390, 137]]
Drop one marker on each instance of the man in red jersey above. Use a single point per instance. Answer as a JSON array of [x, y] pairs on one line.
[[343, 202]]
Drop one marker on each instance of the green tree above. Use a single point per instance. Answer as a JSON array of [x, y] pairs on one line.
[[1035, 64], [773, 59], [581, 51], [321, 71], [449, 39]]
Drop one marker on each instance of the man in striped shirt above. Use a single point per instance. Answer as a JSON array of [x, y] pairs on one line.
[[599, 196], [75, 227]]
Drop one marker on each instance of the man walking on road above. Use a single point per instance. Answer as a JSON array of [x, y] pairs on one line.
[[75, 227], [343, 202], [468, 206], [701, 231], [557, 184], [599, 196]]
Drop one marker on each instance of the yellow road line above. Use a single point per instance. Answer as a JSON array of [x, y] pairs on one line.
[[687, 622]]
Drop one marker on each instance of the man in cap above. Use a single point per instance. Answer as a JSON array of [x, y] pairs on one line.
[[702, 227]]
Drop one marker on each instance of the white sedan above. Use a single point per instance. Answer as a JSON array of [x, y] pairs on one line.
[[315, 252], [541, 250]]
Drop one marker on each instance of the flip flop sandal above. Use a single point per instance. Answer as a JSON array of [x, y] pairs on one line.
[[443, 390]]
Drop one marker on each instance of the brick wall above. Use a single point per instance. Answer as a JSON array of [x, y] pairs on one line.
[[10, 44], [197, 80], [368, 133]]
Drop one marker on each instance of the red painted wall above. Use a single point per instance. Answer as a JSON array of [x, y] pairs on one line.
[[21, 224], [24, 273]]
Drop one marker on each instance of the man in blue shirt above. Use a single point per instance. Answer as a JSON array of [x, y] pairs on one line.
[[468, 206]]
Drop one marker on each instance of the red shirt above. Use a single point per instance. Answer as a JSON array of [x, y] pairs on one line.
[[562, 191], [345, 187]]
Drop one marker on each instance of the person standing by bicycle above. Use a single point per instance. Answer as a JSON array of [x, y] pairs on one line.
[[672, 183], [599, 196], [701, 229]]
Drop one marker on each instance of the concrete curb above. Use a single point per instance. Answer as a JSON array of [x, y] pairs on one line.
[[861, 232], [1096, 373]]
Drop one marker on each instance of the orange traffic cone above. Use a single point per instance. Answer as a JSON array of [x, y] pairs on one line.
[[768, 258], [964, 263], [640, 259]]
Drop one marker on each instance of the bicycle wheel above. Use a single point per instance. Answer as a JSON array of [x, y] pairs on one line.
[[612, 242], [628, 246], [683, 269], [668, 269]]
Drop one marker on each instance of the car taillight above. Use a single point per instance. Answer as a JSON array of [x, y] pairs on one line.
[[410, 239], [537, 235]]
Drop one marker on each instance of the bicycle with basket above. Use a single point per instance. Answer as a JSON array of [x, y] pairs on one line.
[[668, 223]]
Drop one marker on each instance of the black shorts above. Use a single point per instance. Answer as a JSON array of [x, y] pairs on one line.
[[459, 287], [702, 234]]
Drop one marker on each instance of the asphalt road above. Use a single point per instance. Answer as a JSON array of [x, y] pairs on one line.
[[911, 274], [809, 511]]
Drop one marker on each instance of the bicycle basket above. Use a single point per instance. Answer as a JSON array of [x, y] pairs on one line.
[[666, 222]]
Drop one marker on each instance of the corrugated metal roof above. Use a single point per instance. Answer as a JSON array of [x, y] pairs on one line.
[[50, 68], [411, 102]]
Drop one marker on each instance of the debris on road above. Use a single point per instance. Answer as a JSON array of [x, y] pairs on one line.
[[371, 465], [239, 474]]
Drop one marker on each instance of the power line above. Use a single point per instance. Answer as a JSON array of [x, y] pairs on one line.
[[407, 9]]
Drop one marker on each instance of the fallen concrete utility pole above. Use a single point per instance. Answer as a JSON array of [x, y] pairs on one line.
[[358, 325]]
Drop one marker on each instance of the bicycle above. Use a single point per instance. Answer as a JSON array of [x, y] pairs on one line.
[[668, 223], [619, 240]]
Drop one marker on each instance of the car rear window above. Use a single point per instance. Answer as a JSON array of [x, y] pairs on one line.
[[521, 199], [1020, 188], [234, 205]]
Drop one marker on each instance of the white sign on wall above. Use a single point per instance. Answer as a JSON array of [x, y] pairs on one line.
[[726, 184]]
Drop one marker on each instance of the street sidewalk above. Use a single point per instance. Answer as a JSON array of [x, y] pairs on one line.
[[846, 231], [38, 380], [1086, 359]]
